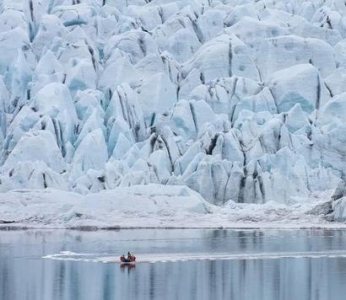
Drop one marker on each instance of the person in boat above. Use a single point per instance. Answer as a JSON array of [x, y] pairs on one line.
[[130, 257]]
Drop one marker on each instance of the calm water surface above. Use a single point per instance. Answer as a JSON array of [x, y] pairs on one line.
[[314, 266]]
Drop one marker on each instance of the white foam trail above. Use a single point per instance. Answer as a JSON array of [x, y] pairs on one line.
[[181, 257], [73, 256]]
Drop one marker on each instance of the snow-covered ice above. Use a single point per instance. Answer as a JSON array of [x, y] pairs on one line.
[[243, 102], [153, 206]]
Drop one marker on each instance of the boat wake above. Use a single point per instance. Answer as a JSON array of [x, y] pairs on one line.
[[180, 257]]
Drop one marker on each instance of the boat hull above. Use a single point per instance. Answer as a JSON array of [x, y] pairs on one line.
[[132, 259]]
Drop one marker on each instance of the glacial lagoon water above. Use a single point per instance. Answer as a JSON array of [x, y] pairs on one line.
[[173, 264]]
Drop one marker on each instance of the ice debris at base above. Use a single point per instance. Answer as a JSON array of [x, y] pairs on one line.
[[238, 100], [153, 206], [54, 207]]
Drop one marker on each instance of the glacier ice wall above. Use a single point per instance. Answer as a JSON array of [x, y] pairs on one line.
[[237, 99]]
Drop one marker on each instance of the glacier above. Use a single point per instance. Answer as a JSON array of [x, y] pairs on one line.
[[242, 102]]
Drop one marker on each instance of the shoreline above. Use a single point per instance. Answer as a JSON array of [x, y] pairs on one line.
[[240, 226]]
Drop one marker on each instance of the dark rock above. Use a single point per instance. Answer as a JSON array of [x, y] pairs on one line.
[[7, 222], [340, 191], [78, 215], [322, 209]]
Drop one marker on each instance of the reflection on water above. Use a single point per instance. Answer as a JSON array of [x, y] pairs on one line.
[[24, 274]]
